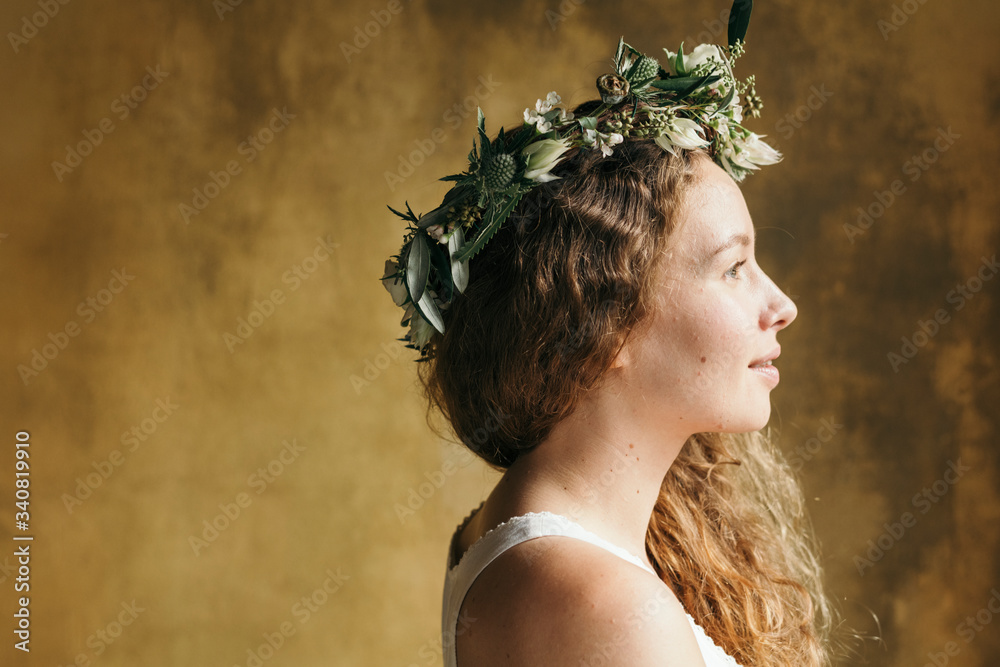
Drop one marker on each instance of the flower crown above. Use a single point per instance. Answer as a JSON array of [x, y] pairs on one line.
[[685, 101]]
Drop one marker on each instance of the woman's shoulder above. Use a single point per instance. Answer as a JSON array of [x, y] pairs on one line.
[[562, 601]]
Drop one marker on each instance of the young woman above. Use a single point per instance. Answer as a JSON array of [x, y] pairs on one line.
[[611, 348]]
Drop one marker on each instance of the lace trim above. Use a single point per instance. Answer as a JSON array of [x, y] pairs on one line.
[[458, 533], [714, 655], [564, 523]]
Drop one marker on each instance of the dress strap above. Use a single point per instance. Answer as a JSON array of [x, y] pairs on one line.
[[521, 529], [460, 575]]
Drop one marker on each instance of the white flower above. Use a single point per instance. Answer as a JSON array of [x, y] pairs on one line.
[[436, 232], [393, 284], [720, 122], [724, 156], [681, 133], [551, 100], [420, 330], [735, 109], [737, 112], [596, 139], [543, 155], [752, 153], [535, 118], [542, 116], [702, 53]]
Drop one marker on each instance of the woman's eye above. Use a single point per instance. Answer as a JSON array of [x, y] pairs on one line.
[[734, 272]]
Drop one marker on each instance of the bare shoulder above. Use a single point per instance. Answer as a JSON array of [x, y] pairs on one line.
[[561, 601]]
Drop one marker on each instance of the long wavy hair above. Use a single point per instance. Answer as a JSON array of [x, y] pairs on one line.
[[550, 302]]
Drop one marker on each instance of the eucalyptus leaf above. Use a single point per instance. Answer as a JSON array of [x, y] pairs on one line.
[[429, 311], [418, 267], [459, 270], [739, 20]]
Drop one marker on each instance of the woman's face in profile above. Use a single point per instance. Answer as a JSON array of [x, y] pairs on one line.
[[717, 316]]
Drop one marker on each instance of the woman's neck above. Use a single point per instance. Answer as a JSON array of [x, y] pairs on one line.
[[602, 467]]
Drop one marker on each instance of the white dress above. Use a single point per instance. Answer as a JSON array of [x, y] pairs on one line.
[[459, 577]]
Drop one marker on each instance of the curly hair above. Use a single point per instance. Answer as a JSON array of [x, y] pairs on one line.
[[551, 301]]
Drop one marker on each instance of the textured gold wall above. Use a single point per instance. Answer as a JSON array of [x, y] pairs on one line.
[[243, 176]]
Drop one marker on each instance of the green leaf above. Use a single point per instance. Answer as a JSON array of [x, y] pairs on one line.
[[429, 311], [588, 123], [434, 217], [418, 267], [454, 196], [739, 20], [679, 61], [522, 139], [459, 270], [442, 269], [619, 53], [409, 217], [725, 102], [685, 84], [639, 85], [496, 218], [484, 141]]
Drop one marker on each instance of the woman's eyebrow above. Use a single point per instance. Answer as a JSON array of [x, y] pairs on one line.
[[735, 239]]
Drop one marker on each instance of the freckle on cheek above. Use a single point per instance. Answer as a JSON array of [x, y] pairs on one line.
[[703, 360]]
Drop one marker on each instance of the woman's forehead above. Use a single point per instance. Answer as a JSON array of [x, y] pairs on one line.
[[711, 216]]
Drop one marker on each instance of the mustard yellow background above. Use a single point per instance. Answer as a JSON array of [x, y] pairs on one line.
[[247, 341]]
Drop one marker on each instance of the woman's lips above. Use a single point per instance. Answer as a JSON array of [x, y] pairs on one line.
[[768, 372]]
